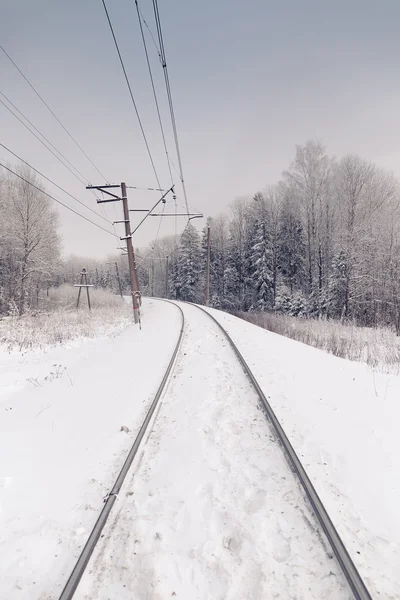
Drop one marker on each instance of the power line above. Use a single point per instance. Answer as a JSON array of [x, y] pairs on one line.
[[154, 89], [82, 181], [55, 199], [159, 226], [151, 34], [54, 183], [134, 187], [168, 87], [131, 93], [51, 111]]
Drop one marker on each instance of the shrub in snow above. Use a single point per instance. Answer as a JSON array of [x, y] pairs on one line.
[[61, 321], [187, 280], [378, 347]]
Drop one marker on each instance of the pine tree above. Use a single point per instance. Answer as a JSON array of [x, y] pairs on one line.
[[262, 265], [291, 251], [255, 215], [187, 284]]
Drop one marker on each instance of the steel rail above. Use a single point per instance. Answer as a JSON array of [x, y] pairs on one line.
[[83, 560], [344, 559]]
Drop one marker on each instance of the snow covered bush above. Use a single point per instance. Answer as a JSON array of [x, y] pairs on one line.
[[378, 347], [60, 322]]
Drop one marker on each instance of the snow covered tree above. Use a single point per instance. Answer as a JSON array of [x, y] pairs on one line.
[[262, 269], [330, 246], [291, 256], [308, 178], [30, 241], [238, 253], [189, 267], [219, 235]]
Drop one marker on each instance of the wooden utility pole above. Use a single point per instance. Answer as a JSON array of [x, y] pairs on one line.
[[118, 279], [152, 277], [83, 284], [166, 277], [207, 294], [131, 255], [128, 238]]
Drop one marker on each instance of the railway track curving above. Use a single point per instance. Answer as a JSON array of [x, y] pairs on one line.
[[343, 557]]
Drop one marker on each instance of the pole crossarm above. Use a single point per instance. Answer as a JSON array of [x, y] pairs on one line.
[[171, 189], [103, 189], [191, 215]]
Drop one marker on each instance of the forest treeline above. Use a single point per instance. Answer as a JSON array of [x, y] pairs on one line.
[[323, 242]]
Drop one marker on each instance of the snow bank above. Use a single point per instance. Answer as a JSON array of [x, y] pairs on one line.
[[342, 419], [61, 444]]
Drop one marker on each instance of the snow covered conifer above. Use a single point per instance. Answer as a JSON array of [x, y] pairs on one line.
[[338, 285], [187, 284], [262, 264]]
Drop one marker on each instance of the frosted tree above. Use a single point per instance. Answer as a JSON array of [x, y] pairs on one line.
[[262, 269], [363, 194], [292, 250], [219, 238], [308, 178], [330, 245], [274, 199], [338, 286], [189, 267], [31, 240], [238, 252]]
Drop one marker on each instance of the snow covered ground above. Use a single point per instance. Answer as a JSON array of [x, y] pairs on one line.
[[210, 509], [343, 420], [61, 444]]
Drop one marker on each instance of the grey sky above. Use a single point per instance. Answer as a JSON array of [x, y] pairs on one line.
[[249, 80]]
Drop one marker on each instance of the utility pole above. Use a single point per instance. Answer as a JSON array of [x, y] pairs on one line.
[[152, 277], [166, 277], [118, 278], [131, 254], [83, 284], [207, 294], [128, 238]]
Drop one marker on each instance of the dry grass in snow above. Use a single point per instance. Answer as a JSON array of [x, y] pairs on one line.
[[379, 348], [58, 321]]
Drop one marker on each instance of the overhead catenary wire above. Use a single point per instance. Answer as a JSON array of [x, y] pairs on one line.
[[148, 189], [154, 90], [151, 33], [85, 180], [52, 112], [151, 209], [81, 178], [169, 95], [56, 199], [54, 183], [131, 93], [159, 226]]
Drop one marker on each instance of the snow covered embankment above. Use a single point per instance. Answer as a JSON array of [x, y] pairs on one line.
[[61, 444], [342, 419]]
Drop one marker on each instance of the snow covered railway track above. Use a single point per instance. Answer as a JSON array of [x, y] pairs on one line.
[[170, 510], [343, 557], [83, 560]]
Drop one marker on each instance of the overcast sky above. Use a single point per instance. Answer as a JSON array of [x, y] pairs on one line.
[[250, 80]]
